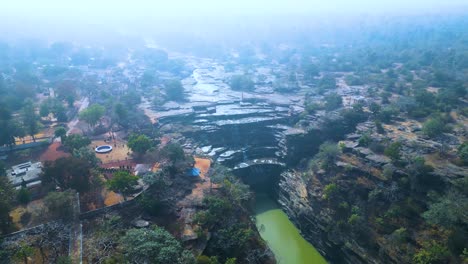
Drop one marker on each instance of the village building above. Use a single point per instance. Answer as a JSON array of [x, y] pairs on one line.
[[25, 175]]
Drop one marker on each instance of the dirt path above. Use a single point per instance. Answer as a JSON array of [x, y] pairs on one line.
[[72, 124], [194, 199], [53, 153]]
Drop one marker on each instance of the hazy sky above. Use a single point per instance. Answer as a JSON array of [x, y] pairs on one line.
[[29, 17], [115, 9]]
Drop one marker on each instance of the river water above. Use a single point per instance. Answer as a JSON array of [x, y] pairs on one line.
[[282, 236]]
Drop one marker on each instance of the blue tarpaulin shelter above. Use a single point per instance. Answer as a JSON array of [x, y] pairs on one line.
[[193, 172]]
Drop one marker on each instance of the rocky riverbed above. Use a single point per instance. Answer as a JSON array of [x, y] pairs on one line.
[[237, 129]]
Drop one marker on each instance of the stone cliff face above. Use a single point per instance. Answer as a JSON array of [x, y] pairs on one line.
[[304, 206], [374, 213]]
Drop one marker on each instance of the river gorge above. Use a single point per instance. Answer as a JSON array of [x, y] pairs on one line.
[[253, 134]]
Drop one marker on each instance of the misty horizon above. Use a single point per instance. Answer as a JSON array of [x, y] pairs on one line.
[[80, 20]]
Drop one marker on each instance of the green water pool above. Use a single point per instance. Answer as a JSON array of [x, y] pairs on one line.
[[282, 236]]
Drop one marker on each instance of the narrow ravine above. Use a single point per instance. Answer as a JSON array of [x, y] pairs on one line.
[[282, 236]]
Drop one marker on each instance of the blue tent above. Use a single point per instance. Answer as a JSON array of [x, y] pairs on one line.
[[193, 172]]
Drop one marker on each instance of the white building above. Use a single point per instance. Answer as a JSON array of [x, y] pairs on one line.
[[25, 173]]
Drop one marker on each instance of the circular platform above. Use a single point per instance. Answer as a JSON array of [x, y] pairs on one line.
[[103, 149]]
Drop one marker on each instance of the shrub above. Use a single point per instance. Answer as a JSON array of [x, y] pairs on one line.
[[377, 147], [330, 191], [25, 218], [431, 252], [400, 235], [139, 143], [374, 108], [328, 153], [433, 127], [76, 142], [175, 90], [24, 196], [202, 259], [60, 204], [378, 126], [242, 83], [393, 151], [333, 101], [463, 152], [365, 140], [153, 246], [354, 219]]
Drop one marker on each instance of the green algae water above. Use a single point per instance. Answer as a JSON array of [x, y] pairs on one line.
[[282, 236]]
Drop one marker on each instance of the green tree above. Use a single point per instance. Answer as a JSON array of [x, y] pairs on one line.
[[139, 143], [64, 260], [354, 219], [60, 132], [431, 252], [11, 127], [393, 151], [242, 83], [421, 177], [333, 101], [449, 210], [386, 114], [231, 261], [68, 173], [23, 196], [92, 114], [121, 113], [44, 110], [60, 204], [66, 90], [148, 79], [122, 182], [23, 253], [59, 112], [327, 155], [330, 191], [76, 141], [232, 240], [374, 108], [30, 119], [237, 191], [86, 154], [217, 209], [6, 203], [378, 126], [154, 246], [202, 259], [174, 152], [2, 169], [463, 152], [327, 82], [399, 236], [365, 140], [310, 71], [174, 90], [433, 127]]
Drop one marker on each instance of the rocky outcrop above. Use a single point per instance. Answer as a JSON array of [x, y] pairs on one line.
[[304, 206]]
